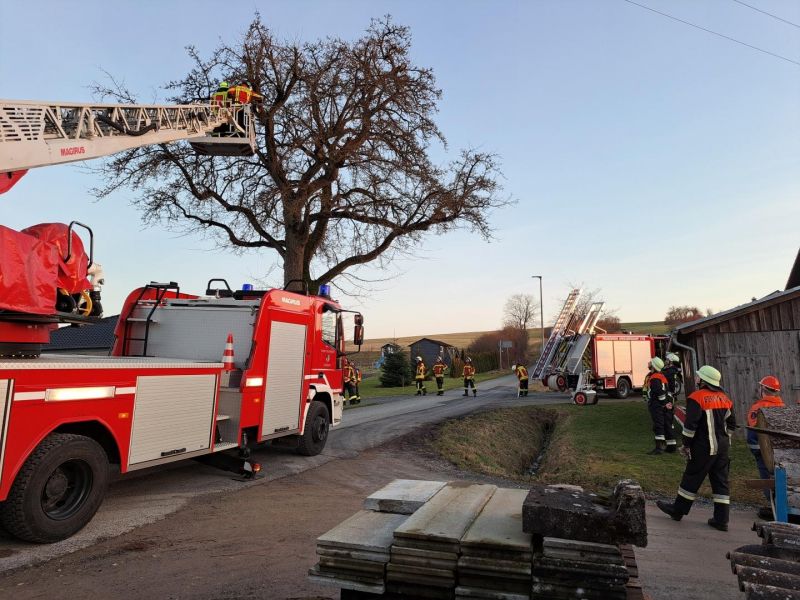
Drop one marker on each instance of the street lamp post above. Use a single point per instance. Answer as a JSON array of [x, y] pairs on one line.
[[541, 307]]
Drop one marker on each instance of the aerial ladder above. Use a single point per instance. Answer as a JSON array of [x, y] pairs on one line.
[[46, 277], [557, 335], [38, 134]]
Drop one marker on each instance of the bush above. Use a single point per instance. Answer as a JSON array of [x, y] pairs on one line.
[[396, 370]]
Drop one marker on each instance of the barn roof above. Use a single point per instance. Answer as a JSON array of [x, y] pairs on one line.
[[437, 342], [97, 336], [776, 297]]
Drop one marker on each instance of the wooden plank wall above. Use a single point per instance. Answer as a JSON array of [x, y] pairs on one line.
[[744, 358], [783, 316]]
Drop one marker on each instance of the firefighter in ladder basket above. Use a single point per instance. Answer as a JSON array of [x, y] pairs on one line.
[[438, 372], [707, 431], [419, 377], [659, 403], [469, 377]]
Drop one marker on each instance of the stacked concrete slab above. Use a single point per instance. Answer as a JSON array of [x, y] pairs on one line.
[[571, 569], [432, 535], [403, 496], [496, 554], [353, 555]]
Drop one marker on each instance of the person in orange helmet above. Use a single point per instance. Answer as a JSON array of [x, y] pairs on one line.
[[768, 394]]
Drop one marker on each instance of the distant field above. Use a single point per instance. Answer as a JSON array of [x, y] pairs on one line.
[[464, 339]]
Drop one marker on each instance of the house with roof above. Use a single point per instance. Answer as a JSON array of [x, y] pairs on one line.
[[430, 349]]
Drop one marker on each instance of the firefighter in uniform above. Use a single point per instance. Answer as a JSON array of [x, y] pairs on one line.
[[672, 372], [220, 97], [709, 423], [469, 377], [240, 95], [522, 374], [438, 372], [659, 403], [349, 379], [358, 382], [419, 377], [769, 389]]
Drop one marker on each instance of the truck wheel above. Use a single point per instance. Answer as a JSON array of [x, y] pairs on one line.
[[623, 388], [315, 433], [58, 490], [579, 398]]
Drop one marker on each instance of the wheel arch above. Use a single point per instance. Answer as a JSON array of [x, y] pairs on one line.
[[320, 395], [97, 431]]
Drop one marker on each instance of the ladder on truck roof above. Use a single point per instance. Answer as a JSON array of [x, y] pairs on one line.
[[581, 339], [559, 328], [37, 134]]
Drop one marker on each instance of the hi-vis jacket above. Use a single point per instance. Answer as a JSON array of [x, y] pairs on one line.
[[656, 387], [522, 372], [349, 374], [420, 370], [439, 369], [752, 417], [709, 421], [469, 372]]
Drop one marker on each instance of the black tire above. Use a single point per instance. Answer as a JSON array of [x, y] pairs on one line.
[[623, 388], [315, 434], [580, 399], [58, 490], [678, 385]]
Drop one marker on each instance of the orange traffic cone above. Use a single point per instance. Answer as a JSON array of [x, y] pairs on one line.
[[227, 356]]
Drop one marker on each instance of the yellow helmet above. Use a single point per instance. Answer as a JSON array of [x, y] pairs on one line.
[[656, 363], [710, 375], [224, 84]]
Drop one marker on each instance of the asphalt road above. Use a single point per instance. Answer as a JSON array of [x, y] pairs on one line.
[[148, 496]]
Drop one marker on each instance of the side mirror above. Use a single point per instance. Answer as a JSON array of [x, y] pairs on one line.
[[358, 335]]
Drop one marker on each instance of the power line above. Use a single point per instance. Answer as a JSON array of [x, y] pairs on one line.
[[722, 35], [767, 13]]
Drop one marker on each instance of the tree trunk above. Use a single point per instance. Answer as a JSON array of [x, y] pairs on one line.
[[295, 273]]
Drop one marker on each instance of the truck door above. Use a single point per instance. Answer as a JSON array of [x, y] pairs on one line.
[[285, 371]]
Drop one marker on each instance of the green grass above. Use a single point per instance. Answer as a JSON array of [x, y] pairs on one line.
[[596, 446]]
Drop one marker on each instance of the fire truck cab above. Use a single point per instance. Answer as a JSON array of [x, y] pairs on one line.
[[164, 395]]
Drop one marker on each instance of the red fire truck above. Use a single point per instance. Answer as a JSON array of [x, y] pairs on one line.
[[164, 394]]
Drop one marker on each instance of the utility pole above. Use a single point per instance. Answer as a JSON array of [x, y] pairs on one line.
[[541, 308]]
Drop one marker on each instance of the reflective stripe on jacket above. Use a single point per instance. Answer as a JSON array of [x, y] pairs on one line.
[[420, 370], [439, 369], [709, 419], [522, 373], [469, 371]]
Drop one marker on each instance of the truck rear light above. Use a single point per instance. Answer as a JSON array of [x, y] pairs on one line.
[[254, 381], [83, 393]]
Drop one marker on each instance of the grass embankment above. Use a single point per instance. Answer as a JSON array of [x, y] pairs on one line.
[[591, 446]]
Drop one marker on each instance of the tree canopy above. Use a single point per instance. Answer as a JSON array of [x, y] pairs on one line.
[[343, 172]]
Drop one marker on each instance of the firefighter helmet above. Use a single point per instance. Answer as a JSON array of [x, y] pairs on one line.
[[771, 383], [673, 358], [224, 85], [710, 375], [468, 359], [656, 363], [419, 359]]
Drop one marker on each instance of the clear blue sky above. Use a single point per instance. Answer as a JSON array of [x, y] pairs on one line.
[[653, 160]]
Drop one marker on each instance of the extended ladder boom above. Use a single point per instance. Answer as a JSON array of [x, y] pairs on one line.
[[37, 134], [559, 327]]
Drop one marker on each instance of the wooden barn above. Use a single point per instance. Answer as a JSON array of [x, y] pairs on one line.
[[430, 349], [748, 342]]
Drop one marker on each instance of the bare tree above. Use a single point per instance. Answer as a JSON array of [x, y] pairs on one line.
[[587, 298], [520, 311], [342, 174]]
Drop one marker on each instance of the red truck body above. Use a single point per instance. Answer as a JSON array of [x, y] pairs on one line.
[[164, 395]]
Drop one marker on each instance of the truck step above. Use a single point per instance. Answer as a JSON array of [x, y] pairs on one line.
[[223, 417], [220, 446]]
